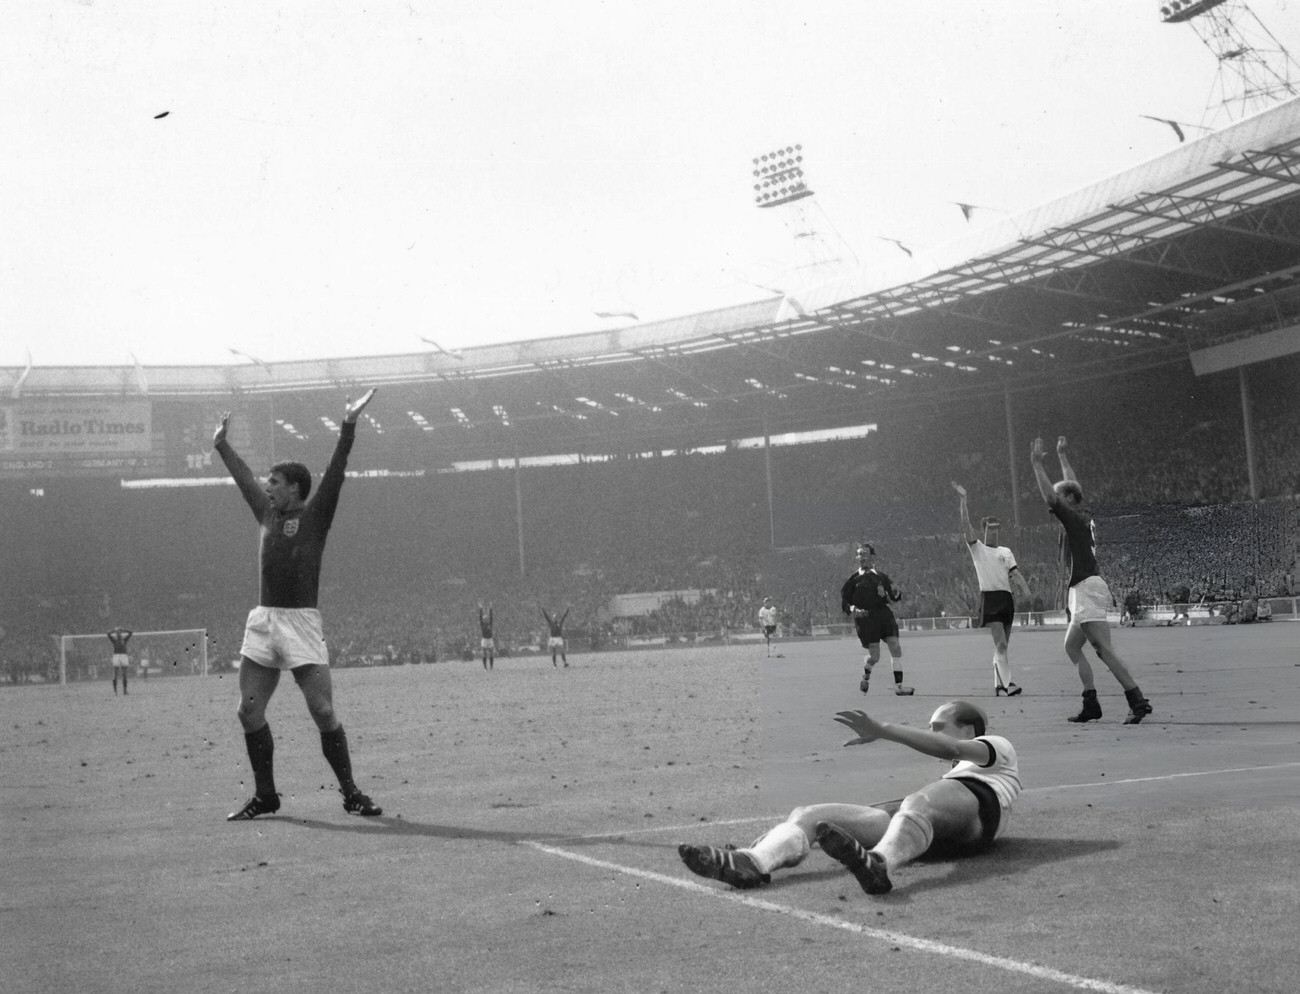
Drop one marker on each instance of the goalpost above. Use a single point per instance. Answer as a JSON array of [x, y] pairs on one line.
[[177, 652]]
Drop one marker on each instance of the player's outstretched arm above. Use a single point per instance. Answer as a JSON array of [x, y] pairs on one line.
[[219, 435], [1037, 452], [1067, 471], [935, 744], [254, 495], [971, 534], [352, 408]]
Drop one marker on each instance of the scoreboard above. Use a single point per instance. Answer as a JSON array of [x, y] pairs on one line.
[[123, 438]]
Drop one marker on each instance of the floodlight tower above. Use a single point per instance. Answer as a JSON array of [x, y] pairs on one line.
[[1255, 70], [780, 184]]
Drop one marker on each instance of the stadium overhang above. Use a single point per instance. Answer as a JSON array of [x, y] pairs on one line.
[[1179, 256]]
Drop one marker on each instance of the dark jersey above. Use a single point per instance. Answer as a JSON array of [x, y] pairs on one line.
[[485, 624], [556, 625], [293, 542], [119, 637], [871, 591], [1081, 537]]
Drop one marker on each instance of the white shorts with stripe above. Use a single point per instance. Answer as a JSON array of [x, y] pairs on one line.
[[1089, 600], [120, 660], [555, 642], [486, 644], [284, 638]]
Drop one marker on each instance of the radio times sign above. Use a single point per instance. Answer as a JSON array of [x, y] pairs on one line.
[[76, 428]]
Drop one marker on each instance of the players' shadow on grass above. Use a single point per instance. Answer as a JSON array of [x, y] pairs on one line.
[[392, 826], [1012, 855]]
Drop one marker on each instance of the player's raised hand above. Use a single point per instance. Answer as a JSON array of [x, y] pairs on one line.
[[1060, 444], [354, 407], [865, 727], [1037, 451], [959, 488], [219, 435]]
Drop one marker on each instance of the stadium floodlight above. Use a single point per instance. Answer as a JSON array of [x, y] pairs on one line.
[[780, 178], [1184, 10], [1255, 71]]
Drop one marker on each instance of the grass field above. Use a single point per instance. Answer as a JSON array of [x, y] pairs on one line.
[[532, 815]]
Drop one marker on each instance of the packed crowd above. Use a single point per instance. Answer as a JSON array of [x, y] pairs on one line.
[[410, 559]]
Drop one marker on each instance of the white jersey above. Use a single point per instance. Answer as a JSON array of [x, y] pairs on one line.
[[993, 565], [1003, 774], [767, 617]]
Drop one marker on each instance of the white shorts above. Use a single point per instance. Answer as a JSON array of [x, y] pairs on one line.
[[284, 638], [486, 643], [121, 660], [555, 642], [1089, 600]]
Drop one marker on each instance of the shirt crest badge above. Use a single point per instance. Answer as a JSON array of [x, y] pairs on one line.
[[291, 528]]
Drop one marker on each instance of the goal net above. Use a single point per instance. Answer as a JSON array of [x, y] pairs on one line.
[[181, 652]]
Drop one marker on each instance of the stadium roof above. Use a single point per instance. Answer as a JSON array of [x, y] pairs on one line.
[[1168, 262]]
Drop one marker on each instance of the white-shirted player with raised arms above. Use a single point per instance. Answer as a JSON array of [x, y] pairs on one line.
[[995, 569]]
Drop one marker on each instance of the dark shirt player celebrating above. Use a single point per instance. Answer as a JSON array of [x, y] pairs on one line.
[[284, 631]]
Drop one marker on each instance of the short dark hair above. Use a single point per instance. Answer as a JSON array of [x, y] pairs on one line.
[[966, 713], [865, 545], [297, 474], [1069, 487]]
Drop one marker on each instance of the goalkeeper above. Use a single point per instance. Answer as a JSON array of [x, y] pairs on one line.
[[962, 812], [284, 631]]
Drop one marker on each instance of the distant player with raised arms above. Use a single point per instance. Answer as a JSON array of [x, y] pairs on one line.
[[555, 643], [996, 571], [119, 637], [284, 631], [866, 595]]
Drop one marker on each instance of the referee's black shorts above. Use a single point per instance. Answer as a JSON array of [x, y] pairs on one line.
[[997, 605], [875, 626]]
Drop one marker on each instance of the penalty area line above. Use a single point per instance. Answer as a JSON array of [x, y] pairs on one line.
[[866, 931], [1163, 776], [774, 818]]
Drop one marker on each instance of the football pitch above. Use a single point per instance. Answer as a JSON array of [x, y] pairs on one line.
[[531, 818]]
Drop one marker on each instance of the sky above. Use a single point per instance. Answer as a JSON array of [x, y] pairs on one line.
[[203, 183]]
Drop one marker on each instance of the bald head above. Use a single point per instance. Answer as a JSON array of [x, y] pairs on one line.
[[955, 717]]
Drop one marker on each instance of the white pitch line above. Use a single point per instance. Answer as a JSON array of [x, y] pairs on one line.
[[1028, 790], [882, 935], [1165, 776]]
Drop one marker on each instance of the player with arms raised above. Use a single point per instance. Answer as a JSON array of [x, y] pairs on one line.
[[995, 569], [284, 631], [1089, 597], [119, 637], [555, 643]]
